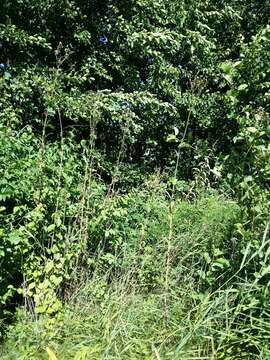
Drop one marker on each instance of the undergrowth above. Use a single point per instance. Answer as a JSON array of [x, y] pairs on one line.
[[117, 310]]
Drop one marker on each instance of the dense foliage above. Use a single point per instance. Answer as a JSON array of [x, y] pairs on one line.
[[135, 159]]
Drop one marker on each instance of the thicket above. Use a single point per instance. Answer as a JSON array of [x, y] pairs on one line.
[[135, 175]]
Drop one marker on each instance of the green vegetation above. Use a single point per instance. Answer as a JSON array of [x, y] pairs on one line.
[[134, 179]]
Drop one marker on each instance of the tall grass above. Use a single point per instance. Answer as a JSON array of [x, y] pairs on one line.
[[117, 310]]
